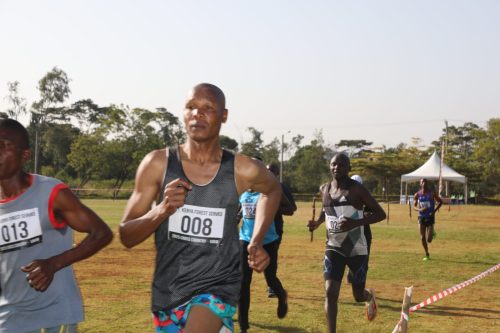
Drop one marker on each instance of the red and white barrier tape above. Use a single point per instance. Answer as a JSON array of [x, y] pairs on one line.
[[453, 289]]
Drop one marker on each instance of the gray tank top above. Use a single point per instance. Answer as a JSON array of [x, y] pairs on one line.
[[29, 231], [348, 243], [197, 247]]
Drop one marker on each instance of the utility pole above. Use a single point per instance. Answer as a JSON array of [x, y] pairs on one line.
[[282, 149], [446, 138]]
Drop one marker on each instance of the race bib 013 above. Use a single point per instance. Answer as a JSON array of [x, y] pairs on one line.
[[198, 225], [20, 229]]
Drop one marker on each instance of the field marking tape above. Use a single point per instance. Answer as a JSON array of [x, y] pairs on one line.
[[453, 289]]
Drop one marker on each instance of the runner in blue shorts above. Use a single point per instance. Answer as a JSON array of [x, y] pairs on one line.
[[343, 202], [424, 202]]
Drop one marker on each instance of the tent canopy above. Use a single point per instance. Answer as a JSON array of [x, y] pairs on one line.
[[430, 170]]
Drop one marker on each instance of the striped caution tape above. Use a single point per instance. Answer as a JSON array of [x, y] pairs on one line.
[[453, 289]]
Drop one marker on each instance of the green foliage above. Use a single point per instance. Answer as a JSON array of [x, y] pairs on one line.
[[254, 147], [56, 145], [487, 155], [308, 168], [87, 156], [18, 104], [228, 143], [86, 141]]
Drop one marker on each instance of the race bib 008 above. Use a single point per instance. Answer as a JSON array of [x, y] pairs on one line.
[[20, 229], [198, 225]]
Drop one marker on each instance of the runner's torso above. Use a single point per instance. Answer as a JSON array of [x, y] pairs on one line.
[[198, 247]]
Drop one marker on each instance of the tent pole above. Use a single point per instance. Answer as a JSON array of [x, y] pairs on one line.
[[401, 191], [406, 192], [466, 192]]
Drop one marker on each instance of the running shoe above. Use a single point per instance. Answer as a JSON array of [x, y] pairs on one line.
[[434, 234], [371, 306], [426, 258], [282, 304]]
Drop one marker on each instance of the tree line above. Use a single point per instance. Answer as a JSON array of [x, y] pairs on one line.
[[84, 142]]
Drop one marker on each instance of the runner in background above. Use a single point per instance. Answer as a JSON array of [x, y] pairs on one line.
[[424, 202], [343, 203], [287, 207]]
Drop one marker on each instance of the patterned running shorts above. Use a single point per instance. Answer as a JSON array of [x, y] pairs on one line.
[[174, 320]]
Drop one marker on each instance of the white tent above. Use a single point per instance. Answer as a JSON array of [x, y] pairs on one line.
[[430, 170]]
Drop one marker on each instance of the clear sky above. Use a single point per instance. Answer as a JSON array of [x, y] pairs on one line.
[[384, 71]]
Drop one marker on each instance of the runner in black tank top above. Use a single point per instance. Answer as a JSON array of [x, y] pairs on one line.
[[196, 188]]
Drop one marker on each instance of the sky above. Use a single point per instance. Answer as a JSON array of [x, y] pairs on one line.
[[385, 71]]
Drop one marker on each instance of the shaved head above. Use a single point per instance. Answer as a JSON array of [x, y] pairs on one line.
[[216, 91]]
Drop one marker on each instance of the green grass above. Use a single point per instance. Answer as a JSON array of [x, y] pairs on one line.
[[115, 284]]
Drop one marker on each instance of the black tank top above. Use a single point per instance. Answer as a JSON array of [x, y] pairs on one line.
[[198, 247]]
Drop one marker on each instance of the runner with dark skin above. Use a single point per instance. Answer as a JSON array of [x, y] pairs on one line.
[[201, 156], [343, 187]]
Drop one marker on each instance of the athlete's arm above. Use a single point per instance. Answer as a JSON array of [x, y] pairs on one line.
[[140, 220], [439, 200], [415, 203], [69, 209], [375, 213], [252, 174]]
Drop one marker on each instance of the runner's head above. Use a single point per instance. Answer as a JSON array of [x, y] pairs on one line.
[[274, 168], [14, 147], [424, 184], [205, 112], [340, 165]]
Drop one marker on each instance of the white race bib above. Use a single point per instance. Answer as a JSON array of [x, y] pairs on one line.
[[20, 229], [331, 224], [200, 225], [248, 209]]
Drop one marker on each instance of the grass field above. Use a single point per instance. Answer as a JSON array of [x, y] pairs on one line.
[[115, 284]]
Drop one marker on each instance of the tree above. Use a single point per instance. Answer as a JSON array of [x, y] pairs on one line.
[[353, 147], [86, 114], [487, 154], [54, 90], [228, 143], [171, 128], [57, 140], [271, 152], [18, 104], [254, 147], [308, 167], [87, 156]]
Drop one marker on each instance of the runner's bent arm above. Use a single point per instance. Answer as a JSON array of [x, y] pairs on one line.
[[375, 212], [140, 220], [439, 200], [70, 210]]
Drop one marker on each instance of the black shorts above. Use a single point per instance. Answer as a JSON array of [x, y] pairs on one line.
[[335, 263], [426, 220]]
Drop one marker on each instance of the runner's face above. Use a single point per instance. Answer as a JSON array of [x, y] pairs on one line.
[[12, 158], [339, 167], [203, 114]]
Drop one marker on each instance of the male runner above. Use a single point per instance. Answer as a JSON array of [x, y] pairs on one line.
[[343, 202], [424, 202], [39, 292], [196, 187]]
